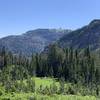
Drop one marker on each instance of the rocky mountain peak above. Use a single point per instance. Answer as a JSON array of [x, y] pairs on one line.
[[95, 22]]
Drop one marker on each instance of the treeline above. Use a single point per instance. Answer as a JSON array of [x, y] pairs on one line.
[[71, 65]]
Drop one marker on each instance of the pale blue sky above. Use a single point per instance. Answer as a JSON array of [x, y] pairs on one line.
[[18, 16]]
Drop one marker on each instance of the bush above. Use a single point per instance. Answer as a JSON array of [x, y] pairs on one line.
[[32, 98], [2, 90], [62, 85], [71, 90], [53, 89], [31, 85], [6, 98]]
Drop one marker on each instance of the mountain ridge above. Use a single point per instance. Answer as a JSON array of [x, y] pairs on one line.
[[32, 41], [35, 41], [88, 35]]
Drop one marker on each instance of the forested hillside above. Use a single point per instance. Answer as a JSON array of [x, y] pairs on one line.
[[33, 41], [88, 35]]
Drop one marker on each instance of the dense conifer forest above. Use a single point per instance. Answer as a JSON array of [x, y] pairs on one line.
[[80, 68]]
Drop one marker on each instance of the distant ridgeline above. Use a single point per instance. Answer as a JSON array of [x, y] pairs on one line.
[[32, 41], [36, 40]]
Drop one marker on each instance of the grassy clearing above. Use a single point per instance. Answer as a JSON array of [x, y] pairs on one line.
[[44, 81], [36, 96], [31, 96]]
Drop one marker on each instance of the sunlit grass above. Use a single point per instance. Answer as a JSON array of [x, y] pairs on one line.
[[36, 96]]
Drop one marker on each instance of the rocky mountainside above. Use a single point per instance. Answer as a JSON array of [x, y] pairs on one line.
[[32, 41], [86, 36]]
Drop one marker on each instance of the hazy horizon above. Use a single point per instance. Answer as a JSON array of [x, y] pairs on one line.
[[19, 16]]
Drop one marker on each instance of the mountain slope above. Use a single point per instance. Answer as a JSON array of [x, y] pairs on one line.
[[84, 37], [32, 41]]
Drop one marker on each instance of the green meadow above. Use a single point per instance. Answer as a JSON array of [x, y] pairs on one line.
[[45, 82]]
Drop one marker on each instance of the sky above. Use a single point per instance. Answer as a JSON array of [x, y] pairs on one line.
[[19, 16]]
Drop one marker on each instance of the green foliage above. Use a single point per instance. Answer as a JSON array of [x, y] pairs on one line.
[[49, 91], [62, 86], [53, 88], [2, 90], [31, 85], [66, 65]]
